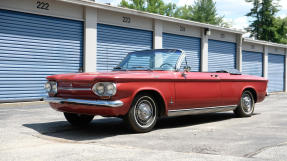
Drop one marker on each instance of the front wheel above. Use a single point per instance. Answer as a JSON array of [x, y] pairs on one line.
[[246, 105], [78, 119], [142, 115]]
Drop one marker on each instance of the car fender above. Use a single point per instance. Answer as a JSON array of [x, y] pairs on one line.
[[150, 89]]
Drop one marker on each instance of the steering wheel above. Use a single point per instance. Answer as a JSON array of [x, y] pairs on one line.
[[166, 64]]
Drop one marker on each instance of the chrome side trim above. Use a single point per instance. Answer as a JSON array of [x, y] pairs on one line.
[[116, 103], [193, 111], [73, 89]]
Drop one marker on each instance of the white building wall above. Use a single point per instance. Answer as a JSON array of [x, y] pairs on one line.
[[223, 36], [285, 90], [204, 51], [265, 62], [157, 39], [90, 43], [180, 29], [124, 20], [276, 50], [55, 8], [252, 47], [239, 52]]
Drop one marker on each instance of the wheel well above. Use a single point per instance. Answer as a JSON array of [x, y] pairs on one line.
[[158, 99], [254, 94]]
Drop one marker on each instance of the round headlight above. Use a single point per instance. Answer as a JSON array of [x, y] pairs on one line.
[[48, 87], [54, 87], [104, 89], [110, 89], [99, 89], [51, 87]]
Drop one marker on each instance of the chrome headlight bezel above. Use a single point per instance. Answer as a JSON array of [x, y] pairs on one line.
[[51, 87], [104, 87]]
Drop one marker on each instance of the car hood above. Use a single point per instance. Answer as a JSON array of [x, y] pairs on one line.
[[114, 75]]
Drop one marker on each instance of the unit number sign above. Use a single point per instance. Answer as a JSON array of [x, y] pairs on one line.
[[126, 19], [42, 5]]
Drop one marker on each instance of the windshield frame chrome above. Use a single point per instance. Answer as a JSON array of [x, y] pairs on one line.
[[180, 59]]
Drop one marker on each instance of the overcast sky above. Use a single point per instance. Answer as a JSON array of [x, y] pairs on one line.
[[232, 10]]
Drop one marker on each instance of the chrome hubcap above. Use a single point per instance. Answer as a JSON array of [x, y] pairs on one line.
[[247, 103], [144, 113]]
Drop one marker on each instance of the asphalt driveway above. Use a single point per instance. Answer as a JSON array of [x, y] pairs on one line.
[[33, 131]]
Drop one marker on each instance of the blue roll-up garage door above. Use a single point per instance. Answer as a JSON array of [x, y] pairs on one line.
[[276, 72], [221, 55], [33, 47], [114, 43], [252, 63], [191, 46]]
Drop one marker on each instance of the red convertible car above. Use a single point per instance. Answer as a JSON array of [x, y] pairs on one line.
[[151, 84]]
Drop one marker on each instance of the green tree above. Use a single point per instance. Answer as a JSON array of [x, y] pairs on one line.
[[184, 12], [263, 13], [281, 30], [152, 6], [135, 4], [170, 9], [202, 11], [205, 11]]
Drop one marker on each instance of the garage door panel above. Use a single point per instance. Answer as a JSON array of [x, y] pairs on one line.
[[252, 63], [38, 20], [39, 29], [19, 60], [40, 52], [114, 43], [191, 46], [12, 98], [38, 39], [276, 73], [22, 56], [33, 47], [34, 44], [40, 24], [38, 33], [29, 48], [221, 55]]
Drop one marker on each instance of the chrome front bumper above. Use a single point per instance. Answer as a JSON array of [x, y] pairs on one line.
[[106, 103]]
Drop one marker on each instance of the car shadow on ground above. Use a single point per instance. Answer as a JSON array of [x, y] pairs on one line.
[[108, 127]]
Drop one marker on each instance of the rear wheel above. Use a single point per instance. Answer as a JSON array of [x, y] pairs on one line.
[[78, 119], [142, 115], [246, 105]]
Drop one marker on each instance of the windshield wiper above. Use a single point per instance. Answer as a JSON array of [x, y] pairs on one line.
[[119, 68], [141, 67]]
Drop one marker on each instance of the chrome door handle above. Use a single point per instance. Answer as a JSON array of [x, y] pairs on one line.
[[214, 75]]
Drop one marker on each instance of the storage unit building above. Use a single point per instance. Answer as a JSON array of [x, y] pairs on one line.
[[33, 47], [221, 52], [191, 46], [276, 72], [252, 59], [115, 42], [252, 63]]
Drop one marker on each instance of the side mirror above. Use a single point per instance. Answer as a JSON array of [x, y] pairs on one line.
[[187, 68]]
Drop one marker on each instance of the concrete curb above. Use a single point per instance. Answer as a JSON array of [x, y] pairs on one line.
[[17, 104]]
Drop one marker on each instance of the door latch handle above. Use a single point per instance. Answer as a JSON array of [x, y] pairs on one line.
[[214, 75]]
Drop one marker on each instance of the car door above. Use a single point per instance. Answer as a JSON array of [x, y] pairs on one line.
[[197, 89]]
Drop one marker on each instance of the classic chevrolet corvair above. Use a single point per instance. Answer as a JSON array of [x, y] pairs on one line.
[[151, 84]]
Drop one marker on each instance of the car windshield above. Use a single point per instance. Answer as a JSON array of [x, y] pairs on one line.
[[161, 59]]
